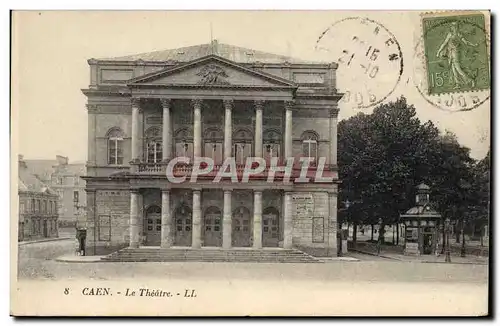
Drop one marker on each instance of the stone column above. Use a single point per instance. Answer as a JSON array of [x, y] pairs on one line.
[[228, 128], [166, 219], [197, 126], [227, 220], [92, 109], [134, 219], [288, 129], [135, 129], [167, 131], [91, 222], [331, 225], [259, 105], [257, 219], [333, 136], [287, 221], [196, 241]]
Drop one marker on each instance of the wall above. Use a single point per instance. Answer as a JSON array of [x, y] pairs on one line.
[[315, 223], [116, 205]]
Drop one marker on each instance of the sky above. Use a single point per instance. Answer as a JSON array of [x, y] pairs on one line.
[[51, 49]]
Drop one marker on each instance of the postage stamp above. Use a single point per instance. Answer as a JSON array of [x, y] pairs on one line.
[[451, 60], [456, 53]]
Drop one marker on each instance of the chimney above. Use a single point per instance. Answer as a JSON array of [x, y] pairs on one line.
[[22, 162], [62, 160]]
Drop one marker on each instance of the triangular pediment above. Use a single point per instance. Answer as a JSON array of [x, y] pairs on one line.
[[212, 71]]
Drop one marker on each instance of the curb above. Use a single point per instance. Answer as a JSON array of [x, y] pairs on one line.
[[373, 254], [420, 261], [66, 260], [42, 240]]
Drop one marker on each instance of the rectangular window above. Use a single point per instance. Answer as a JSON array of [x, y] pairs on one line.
[[270, 151], [241, 152], [75, 196], [76, 181], [21, 206], [38, 205], [104, 228], [214, 151], [32, 208], [115, 155], [184, 149]]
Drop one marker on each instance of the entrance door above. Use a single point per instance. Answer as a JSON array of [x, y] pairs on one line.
[[212, 231], [153, 226], [183, 226], [241, 228], [428, 243], [45, 234], [270, 227]]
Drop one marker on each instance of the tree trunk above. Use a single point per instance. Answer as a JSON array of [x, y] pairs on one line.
[[397, 234], [372, 232], [381, 233], [393, 238], [457, 233], [354, 233]]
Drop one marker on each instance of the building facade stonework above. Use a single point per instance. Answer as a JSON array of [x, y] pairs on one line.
[[65, 179], [217, 101], [38, 216]]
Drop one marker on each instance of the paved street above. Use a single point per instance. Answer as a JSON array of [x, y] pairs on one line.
[[36, 261]]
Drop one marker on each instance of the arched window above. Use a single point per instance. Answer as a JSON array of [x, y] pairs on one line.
[[310, 145], [153, 145], [214, 139], [184, 143], [272, 144], [242, 145], [115, 146]]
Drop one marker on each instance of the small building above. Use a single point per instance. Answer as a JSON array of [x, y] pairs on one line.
[[421, 225], [38, 216], [64, 178]]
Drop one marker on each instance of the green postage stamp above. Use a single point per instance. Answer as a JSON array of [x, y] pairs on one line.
[[456, 52]]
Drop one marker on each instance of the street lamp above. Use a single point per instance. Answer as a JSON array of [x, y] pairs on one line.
[[447, 241], [462, 249], [379, 239]]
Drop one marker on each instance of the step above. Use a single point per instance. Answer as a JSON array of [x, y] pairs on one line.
[[209, 255]]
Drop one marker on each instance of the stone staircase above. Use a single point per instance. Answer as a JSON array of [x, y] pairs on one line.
[[155, 254]]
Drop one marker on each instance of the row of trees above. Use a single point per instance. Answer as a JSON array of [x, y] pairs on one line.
[[385, 154]]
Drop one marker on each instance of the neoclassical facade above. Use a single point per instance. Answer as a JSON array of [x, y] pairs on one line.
[[217, 101]]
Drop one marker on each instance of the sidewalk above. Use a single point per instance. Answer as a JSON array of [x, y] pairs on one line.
[[336, 259], [429, 258], [42, 240], [78, 259]]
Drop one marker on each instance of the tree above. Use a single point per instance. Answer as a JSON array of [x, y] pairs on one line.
[[384, 155]]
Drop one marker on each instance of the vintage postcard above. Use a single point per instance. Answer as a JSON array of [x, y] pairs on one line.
[[250, 163]]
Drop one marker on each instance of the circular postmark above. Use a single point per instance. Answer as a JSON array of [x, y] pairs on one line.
[[451, 61], [370, 60]]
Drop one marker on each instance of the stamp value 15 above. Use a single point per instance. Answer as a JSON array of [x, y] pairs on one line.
[[456, 54]]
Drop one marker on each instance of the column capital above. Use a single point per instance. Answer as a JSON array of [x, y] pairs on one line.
[[228, 103], [196, 103], [259, 104], [136, 102], [165, 190], [197, 190], [333, 112], [289, 104], [230, 190], [134, 191], [166, 103]]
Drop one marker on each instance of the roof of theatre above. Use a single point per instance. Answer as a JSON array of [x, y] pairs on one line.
[[227, 51]]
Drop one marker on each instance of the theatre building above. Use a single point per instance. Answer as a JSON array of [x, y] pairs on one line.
[[217, 101]]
